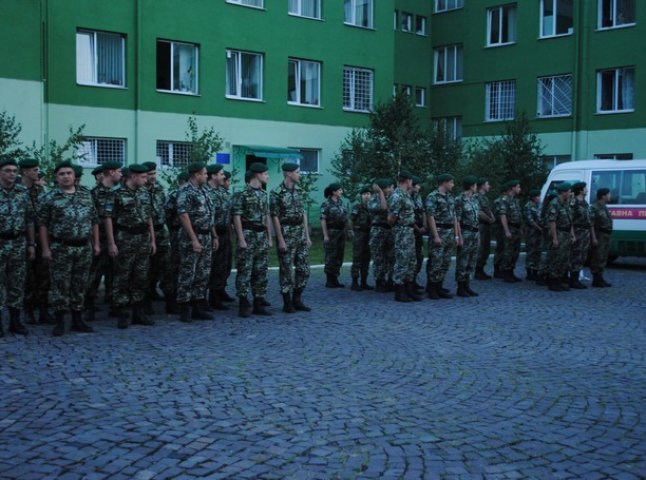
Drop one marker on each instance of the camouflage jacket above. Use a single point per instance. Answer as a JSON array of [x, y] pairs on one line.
[[419, 209], [157, 202], [16, 210], [510, 207], [128, 208], [35, 194], [580, 214], [600, 217], [467, 208], [559, 213], [196, 202], [441, 208], [251, 205], [170, 207], [223, 208], [484, 203], [68, 216], [532, 214], [379, 216], [402, 206], [335, 214], [361, 218], [287, 205]]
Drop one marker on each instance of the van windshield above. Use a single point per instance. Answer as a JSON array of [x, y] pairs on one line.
[[627, 187]]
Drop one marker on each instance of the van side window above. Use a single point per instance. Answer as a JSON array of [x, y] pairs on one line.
[[626, 186], [633, 188]]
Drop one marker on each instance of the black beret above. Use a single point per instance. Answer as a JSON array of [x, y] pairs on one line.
[[227, 174], [534, 193], [602, 191], [334, 187], [563, 187], [151, 166], [365, 188], [214, 168], [63, 164], [469, 180], [258, 167], [28, 163], [404, 175], [512, 183], [290, 166], [384, 182], [481, 181], [6, 160], [111, 166], [138, 168], [182, 177], [78, 171], [445, 177], [99, 169], [195, 167], [416, 180]]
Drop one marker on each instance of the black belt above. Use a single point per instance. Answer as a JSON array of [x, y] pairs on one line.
[[335, 226], [604, 230], [11, 235], [202, 231], [444, 225], [159, 227], [254, 227], [581, 226], [561, 229], [362, 229], [468, 228], [136, 230], [222, 229], [292, 222], [382, 225], [515, 225], [70, 242]]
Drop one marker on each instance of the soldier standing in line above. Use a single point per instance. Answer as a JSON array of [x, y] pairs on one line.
[[222, 211], [69, 236], [361, 220], [601, 232], [559, 221], [467, 209], [172, 221], [287, 208], [197, 240], [582, 233], [486, 218], [510, 218], [223, 224], [443, 229], [381, 238], [131, 240], [533, 234], [420, 227], [250, 212], [401, 216], [17, 244], [335, 225]]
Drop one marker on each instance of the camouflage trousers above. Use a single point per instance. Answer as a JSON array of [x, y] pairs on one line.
[[580, 249], [533, 246], [360, 253], [221, 262], [101, 268], [296, 258], [484, 247], [194, 268], [251, 263], [500, 247], [467, 256], [174, 261], [382, 253], [599, 253], [546, 240], [13, 272], [37, 283], [69, 271], [334, 251], [558, 258], [439, 256], [160, 271], [130, 268], [511, 249], [419, 251], [405, 259]]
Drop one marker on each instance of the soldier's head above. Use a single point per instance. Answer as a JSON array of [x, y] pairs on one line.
[[405, 180], [445, 182], [151, 178], [65, 175], [385, 185], [483, 185], [513, 187], [579, 188], [563, 190], [227, 179], [469, 183], [603, 195], [29, 169], [365, 194], [197, 173], [291, 172], [137, 175], [8, 171], [334, 190], [112, 172], [216, 174], [535, 195], [260, 174], [78, 174], [182, 178]]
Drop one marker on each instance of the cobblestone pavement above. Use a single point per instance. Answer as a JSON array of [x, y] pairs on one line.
[[517, 383]]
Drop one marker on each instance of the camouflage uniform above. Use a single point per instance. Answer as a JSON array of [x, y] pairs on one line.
[[194, 269], [467, 208], [172, 222], [510, 207], [484, 230], [381, 242], [601, 220], [289, 207], [335, 215], [160, 270], [361, 220], [500, 237], [69, 218], [222, 257], [418, 203], [581, 222], [442, 209], [402, 206], [37, 283], [102, 263], [533, 236], [252, 206], [558, 258], [130, 212]]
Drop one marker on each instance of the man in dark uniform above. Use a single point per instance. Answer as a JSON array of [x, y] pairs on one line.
[[173, 224], [601, 232], [582, 233], [361, 220], [559, 222], [486, 219], [222, 219], [510, 224]]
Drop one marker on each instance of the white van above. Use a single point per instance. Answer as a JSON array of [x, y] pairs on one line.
[[626, 180]]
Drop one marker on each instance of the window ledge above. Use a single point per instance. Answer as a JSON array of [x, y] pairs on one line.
[[447, 10], [245, 99], [318, 19], [352, 110], [614, 112], [559, 35], [421, 34], [541, 117], [102, 85], [354, 25], [616, 27], [449, 82], [246, 6], [305, 105], [498, 120], [177, 92], [498, 45]]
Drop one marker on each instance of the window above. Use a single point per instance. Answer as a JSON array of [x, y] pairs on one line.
[[448, 64], [616, 90], [501, 25], [406, 90], [358, 13], [616, 13], [310, 161], [500, 100], [176, 67], [613, 156], [444, 5], [406, 22], [556, 17], [248, 3], [173, 154], [100, 58], [554, 96], [420, 96], [305, 8], [626, 186], [420, 25], [357, 89], [95, 151], [552, 161], [449, 126], [244, 75], [303, 82]]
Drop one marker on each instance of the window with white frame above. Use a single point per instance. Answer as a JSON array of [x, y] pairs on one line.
[[305, 8], [358, 12], [445, 5], [501, 25], [616, 90], [310, 161], [248, 3], [98, 150], [177, 66], [406, 90], [613, 156], [500, 100], [557, 17], [420, 25], [554, 96], [304, 82], [406, 20], [448, 64], [449, 126], [420, 97], [100, 58], [357, 89], [244, 75], [616, 13], [173, 154]]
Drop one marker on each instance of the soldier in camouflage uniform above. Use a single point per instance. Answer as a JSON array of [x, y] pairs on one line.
[[582, 233], [533, 234], [559, 221], [401, 216], [221, 258], [486, 219], [16, 243], [420, 227], [361, 220], [510, 223], [601, 220], [467, 209], [287, 208], [69, 236], [250, 212], [443, 230], [381, 236], [172, 222], [335, 225], [131, 241]]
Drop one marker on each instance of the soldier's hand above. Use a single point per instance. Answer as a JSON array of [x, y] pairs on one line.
[[459, 241], [113, 251], [437, 241], [282, 246], [96, 250], [242, 244], [308, 242], [47, 254], [555, 243], [326, 239], [270, 242], [216, 244], [595, 242], [573, 238], [31, 252], [153, 248], [508, 234], [197, 246]]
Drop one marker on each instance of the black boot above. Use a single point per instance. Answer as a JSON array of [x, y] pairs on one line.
[[364, 282], [15, 326], [78, 325], [30, 318], [259, 307], [443, 292], [244, 307], [401, 295], [139, 316], [122, 317], [355, 285], [462, 289], [1, 329], [469, 291], [412, 292], [225, 297], [330, 281], [185, 312], [199, 311], [147, 306], [215, 300], [431, 288], [575, 282], [390, 285], [541, 279], [381, 286], [555, 285], [508, 276], [597, 280], [288, 306], [498, 273], [59, 329], [298, 302], [171, 307], [481, 274], [530, 274], [44, 317]]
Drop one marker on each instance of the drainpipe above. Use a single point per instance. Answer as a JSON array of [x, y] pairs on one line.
[[580, 39], [138, 25], [44, 73]]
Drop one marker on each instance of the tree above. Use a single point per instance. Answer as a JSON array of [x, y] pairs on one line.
[[10, 130], [348, 165], [49, 155]]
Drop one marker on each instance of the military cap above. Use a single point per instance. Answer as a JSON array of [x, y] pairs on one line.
[[290, 166], [602, 191], [214, 168], [258, 167], [512, 183], [563, 187], [227, 174], [151, 166], [383, 182], [7, 160], [138, 168], [28, 163], [195, 167], [445, 177], [481, 181], [111, 166], [404, 175], [416, 180], [63, 164], [182, 177], [469, 180], [334, 186], [365, 189], [99, 169], [327, 192], [578, 187], [534, 193]]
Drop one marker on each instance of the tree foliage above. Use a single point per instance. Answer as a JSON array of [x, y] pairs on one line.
[[52, 153], [10, 129]]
